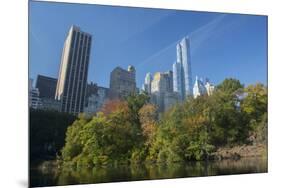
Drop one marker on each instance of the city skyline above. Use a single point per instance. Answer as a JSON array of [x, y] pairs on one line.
[[206, 61], [124, 91]]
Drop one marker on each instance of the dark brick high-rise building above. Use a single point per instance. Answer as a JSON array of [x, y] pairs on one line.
[[46, 86]]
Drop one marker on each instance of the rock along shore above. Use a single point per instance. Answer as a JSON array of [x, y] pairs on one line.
[[236, 152]]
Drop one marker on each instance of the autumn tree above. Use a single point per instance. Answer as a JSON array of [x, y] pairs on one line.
[[135, 103], [255, 102], [131, 131], [254, 106], [111, 106], [148, 118]]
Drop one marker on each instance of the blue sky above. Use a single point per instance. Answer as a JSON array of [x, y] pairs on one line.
[[222, 45]]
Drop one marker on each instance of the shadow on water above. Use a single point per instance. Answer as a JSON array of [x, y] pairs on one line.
[[51, 177]]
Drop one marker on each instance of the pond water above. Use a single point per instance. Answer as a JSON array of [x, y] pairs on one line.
[[52, 177]]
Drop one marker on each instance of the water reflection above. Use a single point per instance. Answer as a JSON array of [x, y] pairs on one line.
[[146, 172]]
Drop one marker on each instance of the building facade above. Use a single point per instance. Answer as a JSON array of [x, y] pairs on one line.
[[178, 80], [92, 89], [209, 87], [96, 100], [33, 96], [162, 82], [47, 86], [147, 83], [49, 104], [162, 90], [182, 70], [72, 80], [170, 99], [199, 88], [123, 82]]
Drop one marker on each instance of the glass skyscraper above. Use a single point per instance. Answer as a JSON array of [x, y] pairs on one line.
[[147, 82], [182, 78], [72, 80], [178, 79]]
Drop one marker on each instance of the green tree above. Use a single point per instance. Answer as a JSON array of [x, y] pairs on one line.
[[105, 139], [254, 106], [135, 103], [198, 121], [229, 123], [130, 130], [230, 86], [255, 102], [148, 119], [74, 139]]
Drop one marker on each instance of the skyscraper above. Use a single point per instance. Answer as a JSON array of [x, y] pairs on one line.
[[123, 82], [34, 100], [46, 86], [147, 83], [162, 82], [178, 80], [47, 89], [182, 69], [72, 80], [95, 98], [162, 90]]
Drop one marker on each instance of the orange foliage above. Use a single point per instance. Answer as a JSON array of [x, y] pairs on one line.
[[113, 106], [148, 118]]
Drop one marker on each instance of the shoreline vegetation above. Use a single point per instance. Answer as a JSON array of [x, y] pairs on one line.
[[235, 153], [230, 124]]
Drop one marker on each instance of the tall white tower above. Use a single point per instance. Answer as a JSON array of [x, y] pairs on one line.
[[147, 82], [182, 69], [72, 79]]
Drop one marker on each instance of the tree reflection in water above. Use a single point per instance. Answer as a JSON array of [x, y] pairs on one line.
[[146, 172]]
